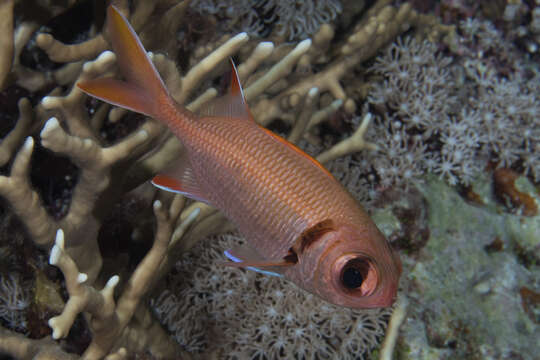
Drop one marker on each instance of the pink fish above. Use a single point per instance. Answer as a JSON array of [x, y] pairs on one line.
[[300, 223]]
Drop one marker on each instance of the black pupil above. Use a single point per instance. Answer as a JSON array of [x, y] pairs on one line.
[[352, 278]]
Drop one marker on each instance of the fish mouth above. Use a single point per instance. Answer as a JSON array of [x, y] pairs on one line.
[[357, 274]]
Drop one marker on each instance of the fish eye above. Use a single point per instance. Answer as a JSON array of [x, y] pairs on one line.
[[354, 273]]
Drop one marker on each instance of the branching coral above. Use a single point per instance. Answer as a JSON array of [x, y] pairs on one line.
[[6, 39], [14, 139], [110, 318]]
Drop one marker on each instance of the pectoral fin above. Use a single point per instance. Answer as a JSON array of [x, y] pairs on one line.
[[179, 178]]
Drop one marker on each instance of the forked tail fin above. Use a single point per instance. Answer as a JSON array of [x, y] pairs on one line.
[[143, 91]]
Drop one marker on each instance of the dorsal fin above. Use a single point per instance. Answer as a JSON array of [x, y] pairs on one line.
[[235, 88], [179, 178], [231, 105]]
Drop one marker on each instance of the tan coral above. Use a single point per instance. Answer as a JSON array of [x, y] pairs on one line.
[[141, 20], [59, 52], [24, 200], [352, 144], [96, 162], [398, 316], [380, 24], [66, 53], [110, 319], [15, 137], [6, 39], [21, 347]]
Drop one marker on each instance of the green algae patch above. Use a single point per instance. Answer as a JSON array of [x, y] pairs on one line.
[[386, 221], [467, 299]]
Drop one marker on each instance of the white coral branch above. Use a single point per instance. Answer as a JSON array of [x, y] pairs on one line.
[[354, 143], [81, 297]]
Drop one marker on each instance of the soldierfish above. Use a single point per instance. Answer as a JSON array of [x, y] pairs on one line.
[[300, 223]]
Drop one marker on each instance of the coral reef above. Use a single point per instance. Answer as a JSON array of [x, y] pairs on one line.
[[391, 79]]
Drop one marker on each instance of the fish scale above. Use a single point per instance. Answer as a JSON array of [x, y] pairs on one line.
[[292, 195], [239, 198]]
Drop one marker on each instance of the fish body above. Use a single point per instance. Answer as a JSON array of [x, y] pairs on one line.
[[298, 220]]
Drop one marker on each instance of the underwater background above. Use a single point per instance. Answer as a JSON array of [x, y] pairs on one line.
[[426, 111]]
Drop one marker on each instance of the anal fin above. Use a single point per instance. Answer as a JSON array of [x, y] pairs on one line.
[[246, 257]]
